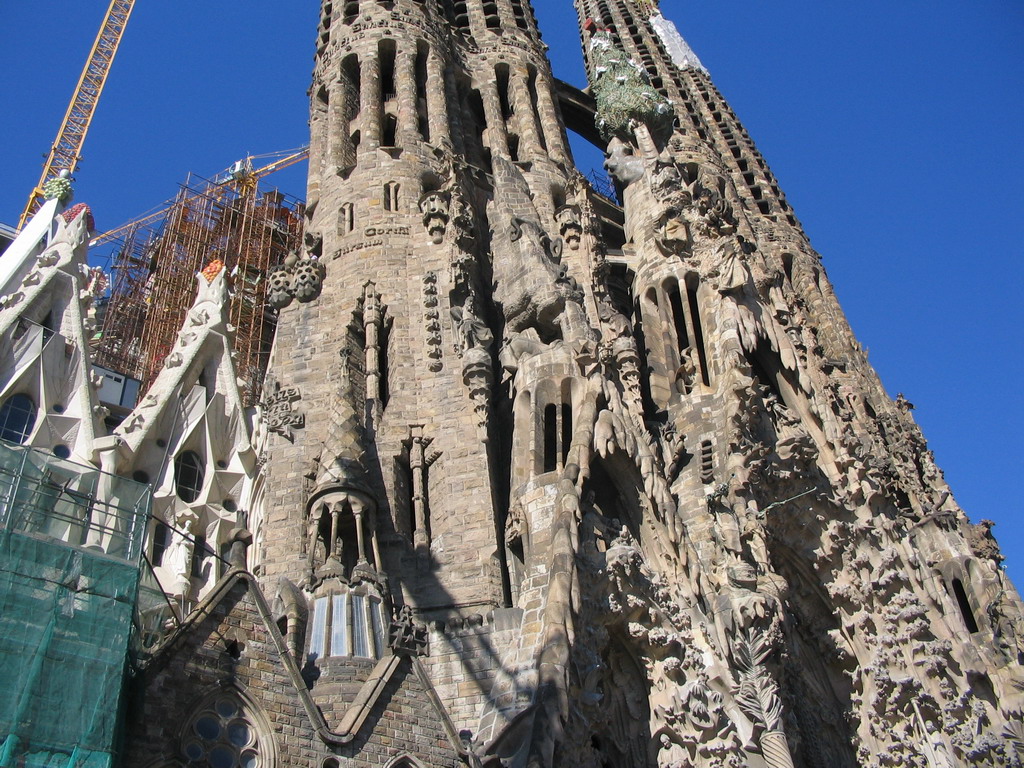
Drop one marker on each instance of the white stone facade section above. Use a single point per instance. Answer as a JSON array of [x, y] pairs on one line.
[[680, 51]]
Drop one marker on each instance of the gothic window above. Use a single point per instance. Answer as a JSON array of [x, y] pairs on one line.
[[348, 623], [221, 734], [350, 11], [188, 476], [17, 417]]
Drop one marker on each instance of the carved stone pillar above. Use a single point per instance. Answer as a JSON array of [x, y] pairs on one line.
[[525, 116], [405, 84], [357, 512], [437, 102], [337, 127], [372, 318], [421, 537], [370, 98], [549, 122], [496, 136]]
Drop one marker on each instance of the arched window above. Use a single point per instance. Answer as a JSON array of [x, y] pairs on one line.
[[188, 476], [17, 417]]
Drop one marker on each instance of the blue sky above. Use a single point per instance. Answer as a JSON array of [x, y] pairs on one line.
[[894, 129]]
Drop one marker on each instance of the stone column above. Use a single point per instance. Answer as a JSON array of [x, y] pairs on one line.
[[549, 121], [337, 126], [496, 136], [437, 102], [371, 325], [525, 116], [405, 87], [370, 98], [419, 507]]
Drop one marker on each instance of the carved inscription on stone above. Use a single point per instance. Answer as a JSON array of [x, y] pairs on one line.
[[279, 413]]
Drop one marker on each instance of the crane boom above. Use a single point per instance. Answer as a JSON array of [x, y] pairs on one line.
[[66, 150]]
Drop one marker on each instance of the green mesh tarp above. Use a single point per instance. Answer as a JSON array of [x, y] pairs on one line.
[[67, 596]]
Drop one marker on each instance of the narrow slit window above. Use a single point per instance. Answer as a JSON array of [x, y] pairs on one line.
[[391, 196], [339, 625], [678, 318], [161, 542], [698, 331], [550, 437], [965, 606], [566, 432], [360, 641], [319, 635], [422, 116]]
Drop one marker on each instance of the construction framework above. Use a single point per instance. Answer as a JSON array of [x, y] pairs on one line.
[[153, 275]]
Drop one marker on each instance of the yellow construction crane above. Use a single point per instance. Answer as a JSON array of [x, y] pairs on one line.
[[243, 177], [66, 150]]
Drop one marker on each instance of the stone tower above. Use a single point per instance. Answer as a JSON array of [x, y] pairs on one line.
[[540, 478], [627, 467]]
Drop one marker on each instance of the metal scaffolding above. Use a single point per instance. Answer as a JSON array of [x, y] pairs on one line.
[[153, 282]]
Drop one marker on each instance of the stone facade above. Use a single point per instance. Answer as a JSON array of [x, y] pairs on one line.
[[542, 478]]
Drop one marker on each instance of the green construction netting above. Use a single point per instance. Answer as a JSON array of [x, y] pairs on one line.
[[70, 542]]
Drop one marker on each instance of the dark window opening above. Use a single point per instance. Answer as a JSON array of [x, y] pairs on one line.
[[161, 542], [422, 120], [698, 331], [787, 266], [965, 606], [199, 552], [550, 437], [386, 54], [678, 319], [566, 432], [501, 79], [188, 476], [17, 417], [513, 147], [389, 131], [493, 21]]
